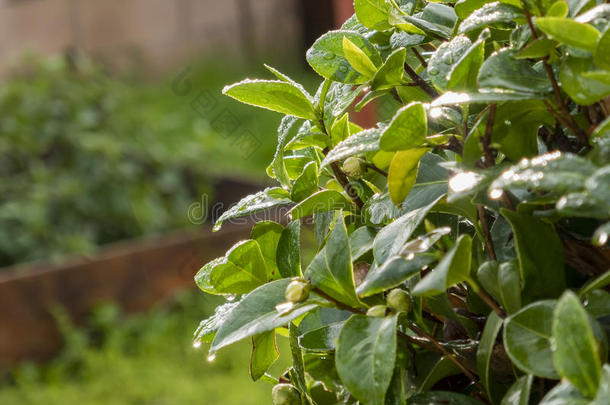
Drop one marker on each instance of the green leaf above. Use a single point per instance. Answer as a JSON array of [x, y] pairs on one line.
[[356, 145], [390, 239], [288, 256], [267, 234], [539, 48], [443, 60], [582, 90], [321, 339], [575, 350], [601, 56], [463, 8], [240, 271], [527, 339], [273, 95], [453, 268], [390, 74], [442, 398], [565, 393], [559, 9], [599, 282], [569, 32], [495, 96], [463, 74], [256, 313], [442, 369], [331, 270], [277, 167], [366, 354], [208, 327], [604, 387], [519, 392], [325, 200], [264, 354], [392, 273], [306, 184], [297, 371], [340, 129], [262, 200], [503, 71], [492, 15], [358, 59], [361, 241], [540, 254], [486, 349], [402, 173], [407, 130], [503, 283], [327, 58], [372, 14]]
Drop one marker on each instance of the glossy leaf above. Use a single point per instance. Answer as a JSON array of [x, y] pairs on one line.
[[358, 59], [453, 268], [207, 328], [264, 354], [361, 241], [570, 32], [392, 273], [581, 89], [443, 60], [366, 352], [408, 129], [575, 350], [463, 74], [325, 200], [277, 167], [391, 72], [256, 313], [322, 339], [331, 270], [502, 281], [527, 339], [279, 96], [306, 184], [267, 234], [486, 349], [502, 70], [357, 144], [372, 14], [493, 15], [519, 392], [288, 256], [403, 172]]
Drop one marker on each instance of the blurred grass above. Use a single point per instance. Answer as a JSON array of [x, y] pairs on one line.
[[141, 360]]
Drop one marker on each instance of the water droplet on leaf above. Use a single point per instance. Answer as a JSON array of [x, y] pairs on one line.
[[211, 357]]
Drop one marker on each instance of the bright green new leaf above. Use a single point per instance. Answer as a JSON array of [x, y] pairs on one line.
[[277, 167], [559, 9], [325, 200], [340, 130], [453, 268], [331, 270], [256, 313], [407, 130], [575, 350], [570, 32], [358, 59], [402, 173], [273, 95], [601, 57], [391, 73], [527, 339], [366, 354], [264, 354], [537, 49], [372, 14]]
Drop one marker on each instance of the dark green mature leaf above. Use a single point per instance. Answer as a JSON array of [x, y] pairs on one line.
[[256, 313], [325, 200], [326, 56], [443, 60], [408, 129], [582, 90], [564, 393], [279, 96], [442, 369], [403, 172], [570, 32], [519, 392], [463, 74], [207, 328], [288, 256], [575, 350], [601, 57], [277, 167], [297, 371], [503, 283], [372, 14], [366, 354], [442, 398], [527, 339], [331, 270], [306, 184], [493, 15], [322, 339], [486, 348], [357, 144], [268, 198], [393, 272], [540, 254], [241, 270], [453, 268], [502, 70], [361, 241], [390, 240], [599, 282], [264, 354]]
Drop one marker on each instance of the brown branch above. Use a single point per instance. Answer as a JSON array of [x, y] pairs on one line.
[[373, 167], [417, 79], [419, 57], [343, 180]]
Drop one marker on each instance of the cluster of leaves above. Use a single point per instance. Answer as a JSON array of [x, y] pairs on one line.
[[462, 244], [82, 164]]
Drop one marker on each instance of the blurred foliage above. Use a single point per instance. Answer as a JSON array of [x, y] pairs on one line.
[[143, 359]]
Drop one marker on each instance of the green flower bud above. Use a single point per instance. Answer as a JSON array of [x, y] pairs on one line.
[[377, 310], [285, 394], [297, 290], [399, 300], [354, 167]]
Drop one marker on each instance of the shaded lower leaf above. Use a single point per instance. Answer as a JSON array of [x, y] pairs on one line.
[[485, 350], [288, 256], [264, 354], [442, 398], [519, 392], [392, 273]]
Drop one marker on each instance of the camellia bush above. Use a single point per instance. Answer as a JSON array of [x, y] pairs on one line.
[[462, 244]]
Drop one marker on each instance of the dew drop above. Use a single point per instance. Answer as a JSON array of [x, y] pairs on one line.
[[463, 181], [329, 56], [601, 238], [496, 194], [284, 307], [410, 256], [343, 69], [197, 344], [230, 297], [433, 72], [211, 357]]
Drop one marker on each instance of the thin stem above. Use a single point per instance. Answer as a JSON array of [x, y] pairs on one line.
[[489, 301], [372, 166], [342, 179], [338, 304], [420, 82], [489, 246], [419, 57]]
